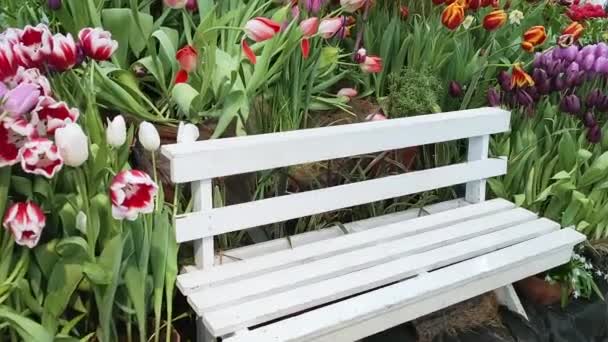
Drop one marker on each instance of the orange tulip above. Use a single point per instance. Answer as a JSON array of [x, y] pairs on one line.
[[453, 16], [575, 29], [527, 46], [535, 35], [520, 78], [494, 20]]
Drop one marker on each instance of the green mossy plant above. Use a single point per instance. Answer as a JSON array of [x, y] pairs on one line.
[[413, 92]]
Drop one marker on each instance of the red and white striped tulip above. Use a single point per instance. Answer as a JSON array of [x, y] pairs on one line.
[[50, 115], [40, 156], [13, 135], [97, 43], [34, 46], [25, 221], [8, 60], [34, 77], [64, 54], [260, 29], [371, 64], [132, 192]]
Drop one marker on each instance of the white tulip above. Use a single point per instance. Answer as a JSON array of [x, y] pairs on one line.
[[116, 133], [81, 222], [187, 133], [148, 136], [73, 144]]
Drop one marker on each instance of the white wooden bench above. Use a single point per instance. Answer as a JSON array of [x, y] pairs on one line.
[[347, 287]]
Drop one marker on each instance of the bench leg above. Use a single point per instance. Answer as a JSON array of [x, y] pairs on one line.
[[202, 334], [507, 296]]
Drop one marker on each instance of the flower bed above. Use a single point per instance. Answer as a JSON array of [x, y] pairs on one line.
[[88, 249]]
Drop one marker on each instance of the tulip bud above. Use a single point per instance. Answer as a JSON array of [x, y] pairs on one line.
[[309, 26], [559, 83], [191, 5], [594, 134], [187, 133], [330, 27], [73, 144], [523, 97], [452, 16], [455, 89], [313, 6], [97, 43], [494, 20], [187, 57], [594, 98], [405, 12], [148, 136], [570, 104], [54, 4], [372, 64], [260, 29], [493, 97], [575, 29], [589, 120], [116, 133], [504, 80], [360, 55]]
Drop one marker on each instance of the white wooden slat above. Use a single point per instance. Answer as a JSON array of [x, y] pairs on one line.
[[202, 196], [252, 214], [276, 261], [423, 294], [352, 261], [231, 318], [478, 150], [222, 157]]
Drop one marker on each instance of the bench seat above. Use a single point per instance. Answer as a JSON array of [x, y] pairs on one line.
[[369, 281]]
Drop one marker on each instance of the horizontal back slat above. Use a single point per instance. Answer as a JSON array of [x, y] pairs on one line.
[[223, 157], [252, 214]]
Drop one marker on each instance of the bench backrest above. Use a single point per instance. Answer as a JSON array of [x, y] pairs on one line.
[[199, 162]]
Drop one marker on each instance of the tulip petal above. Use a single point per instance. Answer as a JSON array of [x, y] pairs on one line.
[[248, 52], [305, 47]]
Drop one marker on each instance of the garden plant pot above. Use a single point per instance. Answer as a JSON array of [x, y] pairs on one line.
[[539, 291]]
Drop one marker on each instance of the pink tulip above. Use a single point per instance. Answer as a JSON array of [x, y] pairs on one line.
[[352, 5], [13, 135], [309, 26], [372, 64], [20, 100], [34, 46], [34, 77], [375, 117], [25, 221], [8, 60], [40, 156], [64, 54], [329, 27], [187, 57], [132, 192], [49, 115], [97, 43], [260, 29], [175, 4], [348, 92]]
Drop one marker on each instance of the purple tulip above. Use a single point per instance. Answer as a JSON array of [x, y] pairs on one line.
[[493, 97], [455, 89], [588, 62], [21, 99], [538, 60], [54, 4], [544, 87], [313, 6], [601, 50], [568, 54], [573, 67], [594, 98], [559, 83], [539, 75], [594, 134], [570, 104], [575, 79], [601, 65], [523, 98], [603, 105], [589, 120], [504, 79]]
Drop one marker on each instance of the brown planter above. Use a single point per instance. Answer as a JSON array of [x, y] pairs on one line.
[[538, 291]]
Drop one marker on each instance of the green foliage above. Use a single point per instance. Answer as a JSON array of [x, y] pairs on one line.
[[413, 92]]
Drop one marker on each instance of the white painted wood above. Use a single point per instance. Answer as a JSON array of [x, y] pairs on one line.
[[507, 296], [443, 206], [383, 220], [202, 333], [223, 157], [478, 150], [352, 261], [378, 310], [202, 197], [252, 214], [275, 261], [233, 317]]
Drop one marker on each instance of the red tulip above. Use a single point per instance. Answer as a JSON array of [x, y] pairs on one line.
[[452, 16], [309, 26], [8, 61], [405, 12], [13, 135], [97, 43], [494, 20], [34, 46], [305, 47], [260, 29], [181, 77], [187, 58], [49, 115], [132, 192], [575, 29], [40, 156], [248, 52], [64, 53], [475, 4], [371, 64], [25, 221]]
